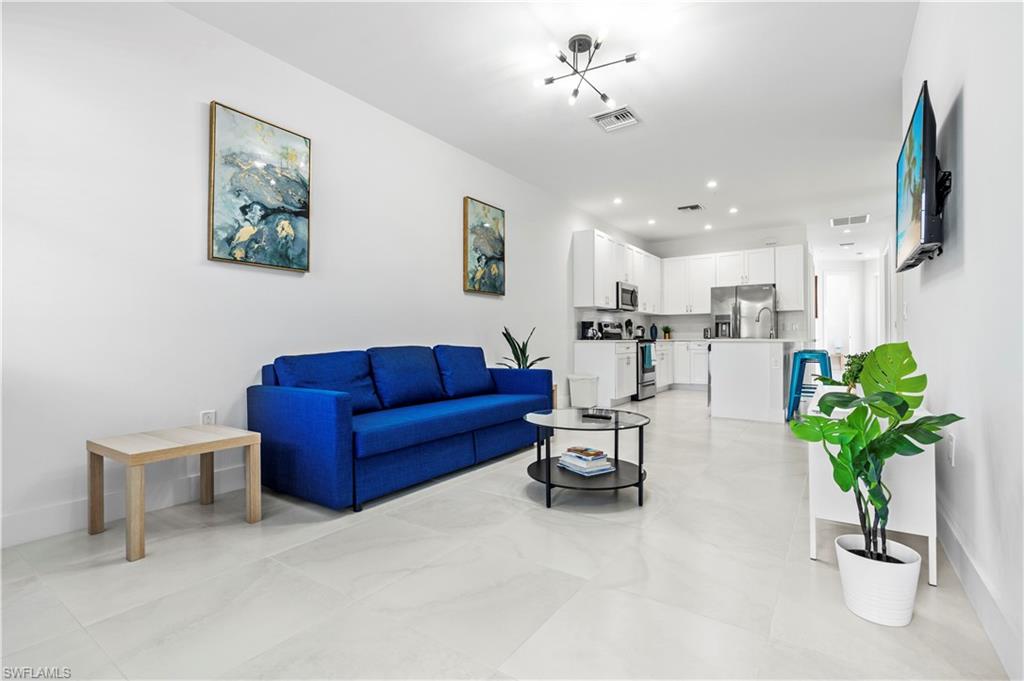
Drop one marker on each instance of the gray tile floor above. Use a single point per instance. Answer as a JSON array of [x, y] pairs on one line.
[[471, 577]]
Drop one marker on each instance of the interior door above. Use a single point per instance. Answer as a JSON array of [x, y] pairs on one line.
[[760, 266], [700, 274], [729, 269], [837, 313]]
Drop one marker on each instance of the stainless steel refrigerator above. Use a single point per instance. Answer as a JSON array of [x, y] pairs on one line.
[[743, 311]]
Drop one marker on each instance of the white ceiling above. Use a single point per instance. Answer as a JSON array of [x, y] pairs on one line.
[[793, 108]]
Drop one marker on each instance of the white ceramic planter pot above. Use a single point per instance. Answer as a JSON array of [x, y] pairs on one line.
[[879, 592]]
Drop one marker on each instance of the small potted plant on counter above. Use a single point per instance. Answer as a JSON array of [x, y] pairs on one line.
[[666, 332], [879, 576]]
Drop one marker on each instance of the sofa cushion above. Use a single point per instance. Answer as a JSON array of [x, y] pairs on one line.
[[391, 429], [347, 372], [405, 375], [463, 370]]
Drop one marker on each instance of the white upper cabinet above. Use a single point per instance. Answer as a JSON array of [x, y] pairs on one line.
[[674, 296], [729, 268], [686, 284], [680, 285], [789, 277], [700, 277], [737, 268], [599, 262], [759, 266], [649, 280]]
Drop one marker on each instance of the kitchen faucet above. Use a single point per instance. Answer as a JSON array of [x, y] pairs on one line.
[[757, 320]]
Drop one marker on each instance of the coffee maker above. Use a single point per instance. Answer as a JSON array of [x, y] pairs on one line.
[[589, 331]]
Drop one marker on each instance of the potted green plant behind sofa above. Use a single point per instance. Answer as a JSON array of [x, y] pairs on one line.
[[520, 354], [879, 575]]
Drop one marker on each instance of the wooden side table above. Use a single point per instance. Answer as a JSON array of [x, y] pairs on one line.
[[135, 450]]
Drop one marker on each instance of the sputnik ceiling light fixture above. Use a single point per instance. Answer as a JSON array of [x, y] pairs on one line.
[[583, 48]]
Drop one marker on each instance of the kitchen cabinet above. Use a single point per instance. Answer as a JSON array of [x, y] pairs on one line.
[[598, 262], [686, 284], [674, 297], [625, 375], [759, 266], [680, 363], [729, 268], [737, 268], [614, 364], [681, 285], [663, 370], [700, 277], [698, 355], [649, 280], [789, 277]]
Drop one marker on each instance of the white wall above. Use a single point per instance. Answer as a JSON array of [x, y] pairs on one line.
[[114, 319], [963, 310]]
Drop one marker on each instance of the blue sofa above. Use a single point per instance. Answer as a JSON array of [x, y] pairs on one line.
[[342, 428]]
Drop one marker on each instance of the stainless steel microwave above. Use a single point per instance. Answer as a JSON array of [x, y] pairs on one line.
[[626, 297]]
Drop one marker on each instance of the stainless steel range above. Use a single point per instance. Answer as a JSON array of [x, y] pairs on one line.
[[646, 379]]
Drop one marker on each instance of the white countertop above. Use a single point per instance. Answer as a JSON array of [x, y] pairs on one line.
[[631, 340], [759, 340]]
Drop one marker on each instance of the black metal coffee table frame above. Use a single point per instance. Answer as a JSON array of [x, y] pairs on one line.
[[626, 474]]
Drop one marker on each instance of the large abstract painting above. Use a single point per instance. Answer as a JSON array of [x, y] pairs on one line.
[[259, 192], [483, 240]]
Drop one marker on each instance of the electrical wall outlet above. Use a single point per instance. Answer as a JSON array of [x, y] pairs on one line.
[[208, 417]]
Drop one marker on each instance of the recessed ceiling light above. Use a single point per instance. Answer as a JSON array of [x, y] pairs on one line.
[[712, 184], [847, 230], [734, 210], [651, 221], [707, 226], [617, 200]]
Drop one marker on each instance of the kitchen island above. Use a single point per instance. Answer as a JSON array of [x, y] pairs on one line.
[[750, 377]]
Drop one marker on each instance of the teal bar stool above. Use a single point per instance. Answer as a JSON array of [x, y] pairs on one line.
[[797, 387]]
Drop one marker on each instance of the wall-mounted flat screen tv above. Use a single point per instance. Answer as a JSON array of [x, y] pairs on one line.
[[918, 211]]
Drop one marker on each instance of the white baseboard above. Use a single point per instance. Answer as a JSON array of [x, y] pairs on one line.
[[1005, 639], [48, 521]]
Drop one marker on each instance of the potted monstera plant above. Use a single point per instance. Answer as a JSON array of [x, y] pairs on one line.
[[860, 433]]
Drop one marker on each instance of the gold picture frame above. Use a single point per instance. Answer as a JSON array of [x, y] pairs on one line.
[[258, 210], [483, 247]]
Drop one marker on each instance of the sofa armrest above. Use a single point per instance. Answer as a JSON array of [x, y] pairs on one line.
[[523, 382], [306, 448]]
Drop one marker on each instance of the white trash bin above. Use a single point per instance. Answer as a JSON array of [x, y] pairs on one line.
[[582, 391]]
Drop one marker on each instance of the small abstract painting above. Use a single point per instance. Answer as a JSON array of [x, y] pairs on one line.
[[259, 192], [483, 240]]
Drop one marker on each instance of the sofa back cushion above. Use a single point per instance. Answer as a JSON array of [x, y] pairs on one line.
[[405, 374], [347, 371], [463, 370]]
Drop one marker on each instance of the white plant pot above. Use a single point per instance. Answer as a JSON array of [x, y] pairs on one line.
[[879, 592]]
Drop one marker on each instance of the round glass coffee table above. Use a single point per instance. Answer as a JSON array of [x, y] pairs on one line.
[[547, 470]]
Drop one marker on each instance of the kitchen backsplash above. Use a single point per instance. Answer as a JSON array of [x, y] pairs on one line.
[[585, 315], [790, 325]]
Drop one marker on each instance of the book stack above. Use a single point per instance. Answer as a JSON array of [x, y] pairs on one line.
[[585, 461]]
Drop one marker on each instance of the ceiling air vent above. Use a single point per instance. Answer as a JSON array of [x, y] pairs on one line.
[[850, 220], [610, 121], [692, 207]]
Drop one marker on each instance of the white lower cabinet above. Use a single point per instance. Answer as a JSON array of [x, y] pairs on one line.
[[698, 353], [614, 364], [680, 363], [625, 375], [664, 367]]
